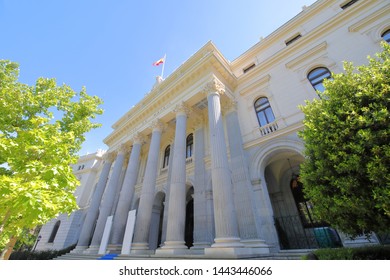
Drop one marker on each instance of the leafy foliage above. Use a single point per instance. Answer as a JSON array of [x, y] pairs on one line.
[[42, 128], [347, 146], [378, 252]]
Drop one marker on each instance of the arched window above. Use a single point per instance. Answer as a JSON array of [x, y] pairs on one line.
[[386, 36], [317, 77], [166, 156], [54, 232], [189, 145], [264, 111]]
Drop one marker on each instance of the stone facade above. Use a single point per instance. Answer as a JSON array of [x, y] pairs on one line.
[[209, 156]]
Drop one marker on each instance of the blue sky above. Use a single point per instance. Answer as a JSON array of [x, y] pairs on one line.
[[109, 46]]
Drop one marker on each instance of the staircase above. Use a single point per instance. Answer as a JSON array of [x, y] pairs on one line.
[[282, 255]]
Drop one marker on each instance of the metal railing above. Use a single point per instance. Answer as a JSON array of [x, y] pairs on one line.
[[292, 235]]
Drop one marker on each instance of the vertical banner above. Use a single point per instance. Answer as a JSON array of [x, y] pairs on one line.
[[128, 239], [106, 236]]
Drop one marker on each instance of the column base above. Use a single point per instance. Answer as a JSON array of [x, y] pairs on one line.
[[114, 248], [92, 250], [174, 245], [227, 242], [200, 245], [234, 253], [173, 248], [79, 249], [172, 252], [141, 248]]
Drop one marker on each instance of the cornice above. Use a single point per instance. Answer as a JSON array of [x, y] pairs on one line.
[[284, 31], [370, 18], [306, 40]]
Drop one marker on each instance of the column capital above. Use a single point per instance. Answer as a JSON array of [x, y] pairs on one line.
[[157, 125], [124, 148], [138, 138], [109, 156], [181, 109], [214, 86], [230, 105]]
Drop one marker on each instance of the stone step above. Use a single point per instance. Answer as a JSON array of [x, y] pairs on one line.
[[273, 256]]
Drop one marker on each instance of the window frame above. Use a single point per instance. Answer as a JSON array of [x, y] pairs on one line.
[[167, 153], [386, 33], [312, 79], [262, 108], [189, 145]]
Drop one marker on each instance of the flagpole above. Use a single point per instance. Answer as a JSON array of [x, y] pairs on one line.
[[162, 71]]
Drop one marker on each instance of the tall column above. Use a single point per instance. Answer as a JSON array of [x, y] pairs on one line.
[[127, 193], [226, 227], [93, 210], [177, 193], [166, 202], [108, 199], [249, 226], [203, 203], [144, 215]]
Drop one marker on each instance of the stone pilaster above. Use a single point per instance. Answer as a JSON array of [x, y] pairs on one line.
[[144, 215], [93, 210]]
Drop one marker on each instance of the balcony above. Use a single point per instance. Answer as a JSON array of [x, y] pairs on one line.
[[269, 128]]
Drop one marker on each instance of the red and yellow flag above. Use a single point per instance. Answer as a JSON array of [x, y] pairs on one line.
[[158, 62]]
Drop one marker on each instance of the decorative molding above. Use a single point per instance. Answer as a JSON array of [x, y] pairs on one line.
[[369, 19], [307, 55], [260, 83]]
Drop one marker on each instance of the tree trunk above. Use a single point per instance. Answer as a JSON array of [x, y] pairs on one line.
[[8, 249], [2, 225]]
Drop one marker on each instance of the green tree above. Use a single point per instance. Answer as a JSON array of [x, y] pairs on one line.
[[346, 173], [42, 128]]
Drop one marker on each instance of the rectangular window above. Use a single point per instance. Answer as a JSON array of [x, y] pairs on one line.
[[249, 68], [293, 39], [348, 4]]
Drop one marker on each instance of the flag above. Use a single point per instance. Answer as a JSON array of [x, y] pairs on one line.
[[158, 62]]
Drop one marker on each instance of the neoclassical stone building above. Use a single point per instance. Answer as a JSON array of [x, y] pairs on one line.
[[209, 158]]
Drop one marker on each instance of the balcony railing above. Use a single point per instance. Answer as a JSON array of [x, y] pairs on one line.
[[269, 128]]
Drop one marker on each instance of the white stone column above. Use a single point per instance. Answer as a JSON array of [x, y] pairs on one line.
[[93, 210], [226, 227], [177, 194], [108, 199], [166, 202], [249, 225], [127, 193], [203, 209], [144, 215]]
